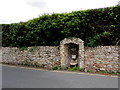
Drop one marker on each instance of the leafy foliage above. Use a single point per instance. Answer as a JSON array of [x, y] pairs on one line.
[[75, 68], [56, 68], [95, 27]]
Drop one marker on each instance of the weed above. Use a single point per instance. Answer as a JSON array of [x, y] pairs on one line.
[[56, 68], [23, 48], [82, 69], [109, 72], [75, 68], [32, 49], [64, 68]]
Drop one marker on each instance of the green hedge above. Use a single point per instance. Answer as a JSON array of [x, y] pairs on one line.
[[95, 27]]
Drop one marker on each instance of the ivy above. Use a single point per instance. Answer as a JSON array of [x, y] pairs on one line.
[[94, 26]]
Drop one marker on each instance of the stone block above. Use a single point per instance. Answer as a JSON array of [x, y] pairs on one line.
[[102, 69]]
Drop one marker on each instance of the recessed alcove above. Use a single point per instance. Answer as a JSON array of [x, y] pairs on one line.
[[72, 52]]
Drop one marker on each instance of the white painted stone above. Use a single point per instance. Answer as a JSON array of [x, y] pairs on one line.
[[102, 69]]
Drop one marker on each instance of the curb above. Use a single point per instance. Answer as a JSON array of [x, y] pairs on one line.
[[67, 72]]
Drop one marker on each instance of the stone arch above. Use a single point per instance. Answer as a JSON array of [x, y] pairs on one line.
[[68, 44]]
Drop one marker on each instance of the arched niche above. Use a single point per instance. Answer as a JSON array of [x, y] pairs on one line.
[[72, 52]]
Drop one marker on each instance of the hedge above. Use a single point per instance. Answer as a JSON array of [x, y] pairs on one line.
[[95, 26]]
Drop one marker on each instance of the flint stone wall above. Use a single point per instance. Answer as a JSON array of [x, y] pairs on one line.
[[95, 59], [102, 58], [42, 56]]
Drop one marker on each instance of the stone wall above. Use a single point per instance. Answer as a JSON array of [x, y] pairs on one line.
[[95, 59], [102, 58], [42, 56]]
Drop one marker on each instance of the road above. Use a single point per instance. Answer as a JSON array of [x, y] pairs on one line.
[[16, 77]]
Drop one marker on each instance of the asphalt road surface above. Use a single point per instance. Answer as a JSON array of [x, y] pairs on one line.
[[16, 77]]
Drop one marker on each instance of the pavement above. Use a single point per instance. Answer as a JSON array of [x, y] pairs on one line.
[[21, 77]]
